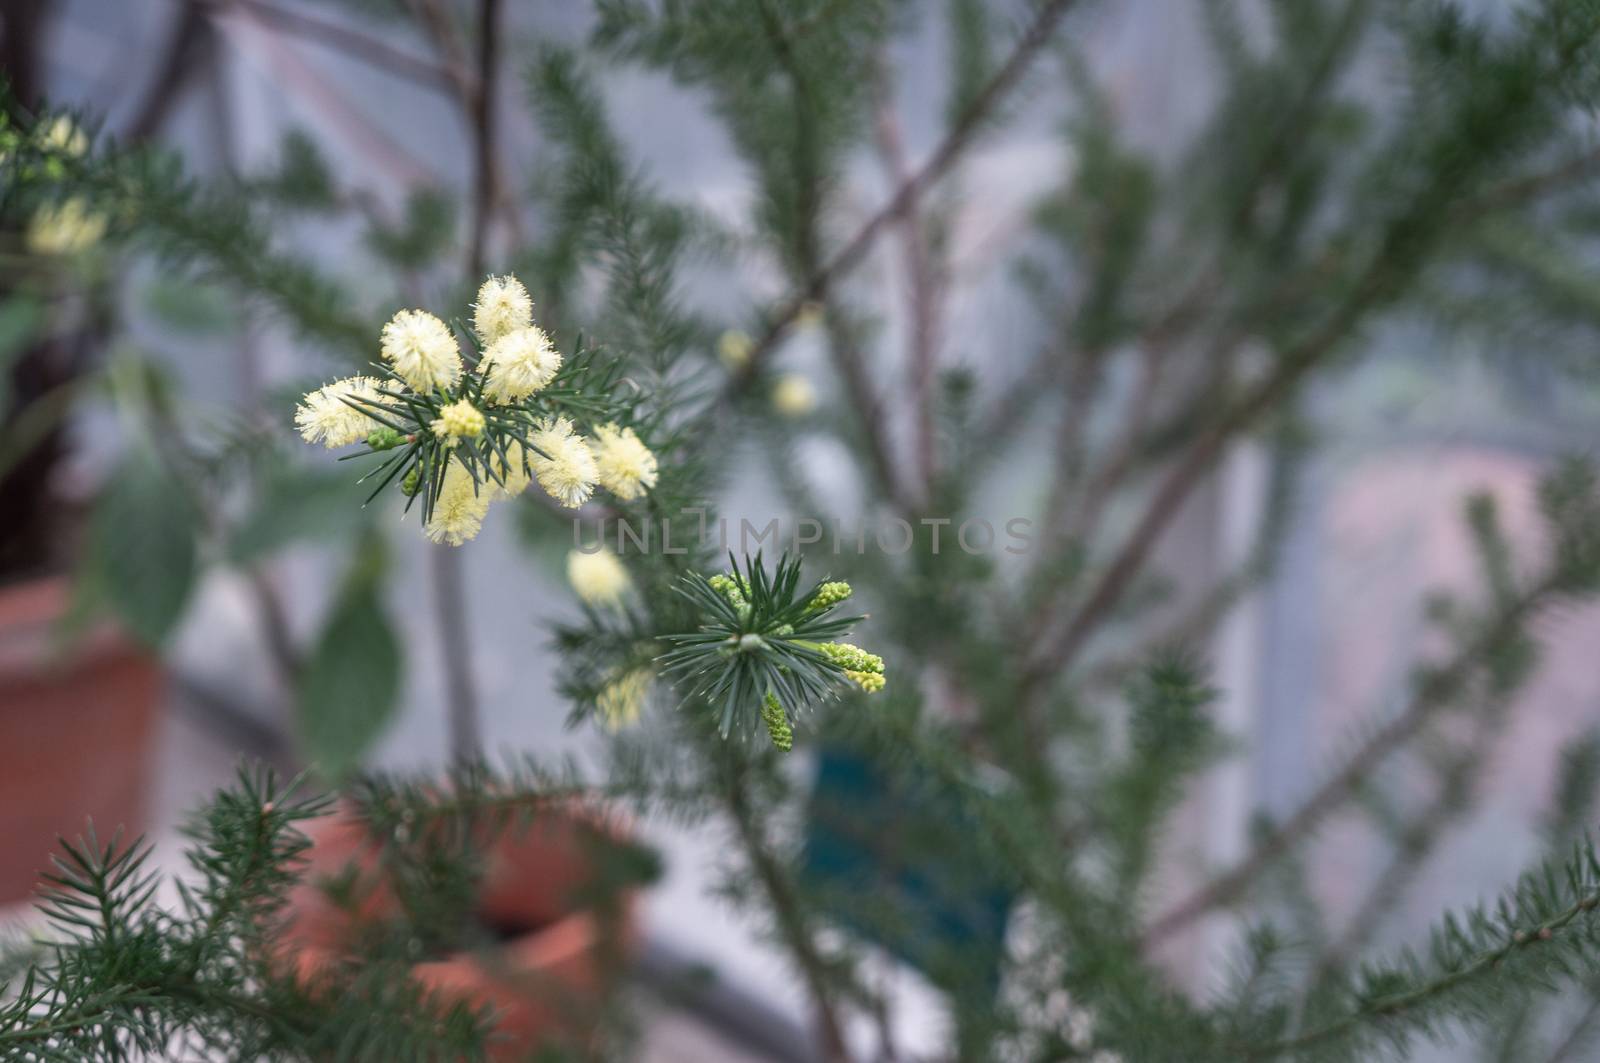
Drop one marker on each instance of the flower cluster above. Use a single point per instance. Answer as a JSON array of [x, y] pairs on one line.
[[461, 430]]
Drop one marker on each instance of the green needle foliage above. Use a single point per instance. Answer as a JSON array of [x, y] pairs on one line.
[[1364, 179], [765, 649], [122, 977]]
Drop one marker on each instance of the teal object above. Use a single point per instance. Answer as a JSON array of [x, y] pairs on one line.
[[890, 860]]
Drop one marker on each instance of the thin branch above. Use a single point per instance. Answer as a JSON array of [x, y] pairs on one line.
[[922, 286], [791, 920], [483, 123], [1433, 694], [353, 43], [1386, 1007], [1417, 843], [943, 157], [466, 738], [177, 64], [842, 351]]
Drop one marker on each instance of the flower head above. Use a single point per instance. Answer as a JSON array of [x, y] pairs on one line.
[[67, 228], [793, 395], [423, 350], [734, 347], [622, 699], [63, 135], [324, 416], [517, 364], [564, 465], [503, 306], [457, 421], [460, 508], [598, 578], [512, 472], [627, 468]]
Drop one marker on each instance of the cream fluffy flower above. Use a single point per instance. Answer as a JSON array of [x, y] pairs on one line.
[[793, 395], [503, 307], [599, 578], [518, 364], [324, 417], [564, 465], [622, 699], [460, 508], [67, 228], [513, 472], [627, 468], [458, 421], [734, 348], [423, 350], [63, 135]]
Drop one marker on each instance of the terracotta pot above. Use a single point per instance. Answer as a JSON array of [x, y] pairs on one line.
[[77, 729], [548, 977]]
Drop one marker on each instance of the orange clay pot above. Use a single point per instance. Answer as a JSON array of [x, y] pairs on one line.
[[77, 729], [544, 983]]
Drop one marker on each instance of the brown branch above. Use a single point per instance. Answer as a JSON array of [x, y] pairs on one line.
[[790, 917], [943, 157], [1435, 690], [922, 294], [466, 739], [1452, 801], [483, 123], [178, 61], [372, 51], [467, 89]]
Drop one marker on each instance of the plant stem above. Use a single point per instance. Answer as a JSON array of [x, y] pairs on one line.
[[944, 156], [1388, 1006], [791, 921], [1432, 695], [461, 696]]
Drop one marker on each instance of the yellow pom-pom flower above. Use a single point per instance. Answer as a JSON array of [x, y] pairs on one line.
[[564, 465], [598, 578], [793, 395], [422, 350], [734, 348], [67, 228], [517, 364], [622, 699], [324, 416], [457, 421], [503, 307], [460, 508], [627, 468]]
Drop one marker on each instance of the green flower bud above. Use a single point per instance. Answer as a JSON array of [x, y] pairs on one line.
[[852, 658], [728, 587], [777, 722], [828, 595], [412, 482], [384, 439]]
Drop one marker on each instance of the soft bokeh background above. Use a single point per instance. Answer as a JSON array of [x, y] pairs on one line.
[[1374, 523]]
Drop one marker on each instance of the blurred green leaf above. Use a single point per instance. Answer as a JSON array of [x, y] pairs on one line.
[[297, 505], [422, 235], [349, 688], [190, 305], [142, 548], [302, 178], [21, 318]]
